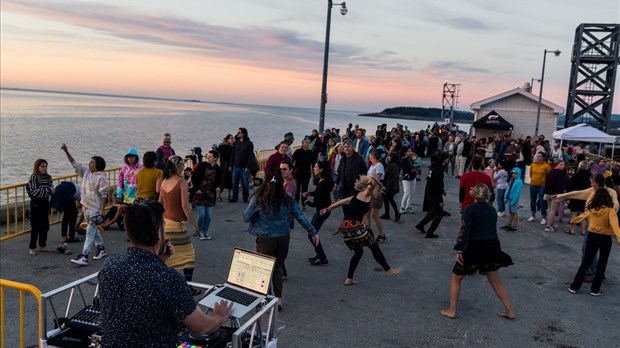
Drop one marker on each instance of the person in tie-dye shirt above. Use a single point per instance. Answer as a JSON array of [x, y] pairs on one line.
[[127, 186]]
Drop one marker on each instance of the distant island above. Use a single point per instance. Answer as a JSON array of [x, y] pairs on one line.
[[419, 113]]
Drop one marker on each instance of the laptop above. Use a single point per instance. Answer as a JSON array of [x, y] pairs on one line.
[[248, 282]]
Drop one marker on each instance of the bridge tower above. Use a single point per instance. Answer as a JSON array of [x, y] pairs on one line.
[[594, 65], [449, 101]]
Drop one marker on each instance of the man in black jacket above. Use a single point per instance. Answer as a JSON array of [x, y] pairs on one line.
[[351, 166], [242, 151], [433, 195]]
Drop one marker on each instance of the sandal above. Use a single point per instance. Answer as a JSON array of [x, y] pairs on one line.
[[569, 232], [350, 281]]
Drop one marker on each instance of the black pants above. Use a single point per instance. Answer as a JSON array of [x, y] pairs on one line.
[[39, 222], [435, 215], [302, 186], [278, 248], [359, 251], [596, 243], [69, 220], [388, 199]]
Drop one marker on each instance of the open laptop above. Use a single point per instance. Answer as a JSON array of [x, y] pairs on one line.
[[248, 282]]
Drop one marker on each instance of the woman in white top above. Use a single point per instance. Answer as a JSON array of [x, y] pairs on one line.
[[376, 171]]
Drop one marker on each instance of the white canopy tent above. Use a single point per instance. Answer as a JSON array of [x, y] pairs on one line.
[[586, 133]]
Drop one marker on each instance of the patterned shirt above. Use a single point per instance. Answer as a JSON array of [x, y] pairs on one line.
[[143, 302]]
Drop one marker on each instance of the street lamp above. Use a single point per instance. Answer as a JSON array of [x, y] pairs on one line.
[[343, 11], [542, 80]]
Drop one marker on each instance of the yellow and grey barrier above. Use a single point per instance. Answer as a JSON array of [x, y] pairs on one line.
[[21, 288]]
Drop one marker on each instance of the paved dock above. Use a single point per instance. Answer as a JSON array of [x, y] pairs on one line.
[[400, 311]]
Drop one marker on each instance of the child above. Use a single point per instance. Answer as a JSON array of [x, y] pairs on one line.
[[205, 187], [603, 223], [93, 193], [500, 180], [39, 190], [417, 165], [512, 198]]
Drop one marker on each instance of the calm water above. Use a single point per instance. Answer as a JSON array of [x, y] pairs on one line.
[[34, 124]]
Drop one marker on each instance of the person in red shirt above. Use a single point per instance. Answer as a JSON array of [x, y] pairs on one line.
[[471, 179]]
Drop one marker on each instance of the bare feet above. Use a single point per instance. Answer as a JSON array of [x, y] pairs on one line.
[[392, 271], [448, 313], [507, 315], [350, 281], [44, 250]]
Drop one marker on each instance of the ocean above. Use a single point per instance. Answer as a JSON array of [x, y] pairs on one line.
[[34, 124]]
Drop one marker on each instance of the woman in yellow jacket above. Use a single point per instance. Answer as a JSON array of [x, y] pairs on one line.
[[603, 223]]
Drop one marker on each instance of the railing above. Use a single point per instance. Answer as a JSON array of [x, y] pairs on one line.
[[21, 287], [15, 209], [14, 206]]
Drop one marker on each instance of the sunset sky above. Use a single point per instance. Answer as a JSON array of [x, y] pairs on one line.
[[383, 53]]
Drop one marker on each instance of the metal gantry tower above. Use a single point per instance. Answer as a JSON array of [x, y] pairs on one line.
[[594, 65], [449, 101]]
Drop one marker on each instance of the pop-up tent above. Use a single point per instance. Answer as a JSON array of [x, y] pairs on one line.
[[585, 133]]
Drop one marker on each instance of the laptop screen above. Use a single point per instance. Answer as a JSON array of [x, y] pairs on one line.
[[251, 270]]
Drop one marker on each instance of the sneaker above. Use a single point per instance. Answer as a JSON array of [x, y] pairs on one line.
[[409, 210], [543, 221], [403, 210], [511, 229], [599, 293], [81, 260], [202, 236], [384, 217], [506, 227], [531, 218], [571, 290], [208, 237], [500, 214], [549, 229], [381, 239], [101, 253]]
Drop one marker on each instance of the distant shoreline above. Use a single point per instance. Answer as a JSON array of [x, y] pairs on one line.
[[410, 117]]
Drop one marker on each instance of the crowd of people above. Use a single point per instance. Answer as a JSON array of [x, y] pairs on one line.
[[360, 172]]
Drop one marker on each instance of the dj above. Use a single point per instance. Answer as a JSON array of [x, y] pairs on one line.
[[142, 301]]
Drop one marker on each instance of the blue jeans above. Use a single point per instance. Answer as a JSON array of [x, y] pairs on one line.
[[538, 192], [499, 197], [93, 237], [244, 175], [204, 218], [317, 222]]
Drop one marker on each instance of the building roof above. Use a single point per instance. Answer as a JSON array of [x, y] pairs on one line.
[[478, 105]]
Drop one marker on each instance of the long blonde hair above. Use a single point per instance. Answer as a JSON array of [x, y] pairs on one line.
[[364, 181]]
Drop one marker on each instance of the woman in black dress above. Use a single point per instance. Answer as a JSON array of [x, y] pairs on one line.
[[478, 249], [367, 188]]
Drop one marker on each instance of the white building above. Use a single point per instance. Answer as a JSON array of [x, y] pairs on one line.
[[519, 107]]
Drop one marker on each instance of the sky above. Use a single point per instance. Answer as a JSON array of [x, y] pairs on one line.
[[382, 53]]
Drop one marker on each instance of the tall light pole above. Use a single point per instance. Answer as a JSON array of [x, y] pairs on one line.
[[532, 84], [343, 11], [542, 80]]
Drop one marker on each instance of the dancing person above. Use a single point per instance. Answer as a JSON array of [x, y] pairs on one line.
[[127, 185], [205, 188], [391, 183], [93, 196], [225, 150], [39, 188], [538, 174], [238, 166], [323, 185], [63, 200], [173, 194], [580, 180], [368, 188], [148, 178], [268, 214], [376, 171], [556, 183], [603, 223], [478, 250], [302, 164], [433, 195], [164, 151], [500, 182], [138, 288], [409, 175]]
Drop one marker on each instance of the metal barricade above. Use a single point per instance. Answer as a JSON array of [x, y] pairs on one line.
[[22, 288]]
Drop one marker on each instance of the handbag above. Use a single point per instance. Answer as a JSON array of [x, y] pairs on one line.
[[355, 234]]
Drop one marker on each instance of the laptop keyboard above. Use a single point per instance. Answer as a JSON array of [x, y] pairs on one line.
[[237, 296]]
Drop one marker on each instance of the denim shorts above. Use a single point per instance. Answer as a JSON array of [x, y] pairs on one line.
[[513, 209]]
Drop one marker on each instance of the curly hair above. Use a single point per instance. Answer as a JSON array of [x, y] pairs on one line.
[[480, 193], [364, 181]]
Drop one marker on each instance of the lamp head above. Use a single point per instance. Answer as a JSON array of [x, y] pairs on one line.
[[343, 8], [557, 53]]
